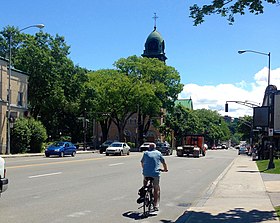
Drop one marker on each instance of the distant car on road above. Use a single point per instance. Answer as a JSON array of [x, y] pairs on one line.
[[105, 145], [118, 148], [164, 148], [144, 146], [242, 150], [61, 149]]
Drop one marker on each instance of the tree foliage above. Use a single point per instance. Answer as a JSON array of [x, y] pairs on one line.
[[156, 86], [38, 135], [228, 8], [27, 135], [20, 136], [244, 127], [183, 122], [54, 85], [213, 125], [112, 98]]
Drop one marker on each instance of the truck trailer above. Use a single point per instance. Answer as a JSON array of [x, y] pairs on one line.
[[192, 145]]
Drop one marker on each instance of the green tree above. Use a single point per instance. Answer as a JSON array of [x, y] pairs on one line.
[[55, 84], [213, 125], [38, 135], [151, 78], [244, 127], [117, 97], [103, 97], [183, 122], [227, 8]]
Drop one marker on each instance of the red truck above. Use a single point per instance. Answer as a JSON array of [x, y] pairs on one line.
[[192, 145]]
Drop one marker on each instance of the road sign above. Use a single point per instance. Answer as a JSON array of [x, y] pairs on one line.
[[270, 132]]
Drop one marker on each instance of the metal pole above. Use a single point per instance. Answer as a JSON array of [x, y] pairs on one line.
[[85, 129], [8, 150], [268, 69]]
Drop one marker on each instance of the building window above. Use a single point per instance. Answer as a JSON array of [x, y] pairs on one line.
[[20, 99], [7, 94]]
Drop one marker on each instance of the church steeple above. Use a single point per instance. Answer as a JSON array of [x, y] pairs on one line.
[[154, 46]]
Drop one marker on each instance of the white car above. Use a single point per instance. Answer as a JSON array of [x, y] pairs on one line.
[[118, 148], [144, 146], [3, 179]]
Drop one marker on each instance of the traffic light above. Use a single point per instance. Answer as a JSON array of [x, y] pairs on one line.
[[226, 107]]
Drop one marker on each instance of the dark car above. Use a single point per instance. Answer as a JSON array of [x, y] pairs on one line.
[[61, 149], [164, 148], [105, 145]]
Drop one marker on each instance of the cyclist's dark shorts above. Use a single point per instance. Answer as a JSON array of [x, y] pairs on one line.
[[156, 181]]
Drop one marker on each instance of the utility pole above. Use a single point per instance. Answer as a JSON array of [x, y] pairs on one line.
[[85, 120]]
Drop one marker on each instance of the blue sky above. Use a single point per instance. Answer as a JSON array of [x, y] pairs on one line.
[[101, 32]]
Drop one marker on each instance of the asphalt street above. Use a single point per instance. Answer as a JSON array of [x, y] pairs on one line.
[[95, 188]]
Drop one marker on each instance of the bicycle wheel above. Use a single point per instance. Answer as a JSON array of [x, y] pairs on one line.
[[151, 204], [147, 203]]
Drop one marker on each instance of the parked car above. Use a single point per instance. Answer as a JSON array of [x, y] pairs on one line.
[[242, 150], [104, 146], [61, 149], [144, 146], [164, 148], [118, 148], [3, 179]]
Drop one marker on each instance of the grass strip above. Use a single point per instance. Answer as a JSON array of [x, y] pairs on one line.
[[263, 164], [277, 209]]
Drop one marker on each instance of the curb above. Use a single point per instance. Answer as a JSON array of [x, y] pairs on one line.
[[40, 154], [184, 218], [209, 191]]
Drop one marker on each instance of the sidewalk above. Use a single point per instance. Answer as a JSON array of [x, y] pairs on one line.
[[41, 154], [239, 195]]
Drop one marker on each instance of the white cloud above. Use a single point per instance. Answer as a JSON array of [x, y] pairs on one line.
[[215, 97]]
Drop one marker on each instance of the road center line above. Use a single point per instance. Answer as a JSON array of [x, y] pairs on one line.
[[44, 175], [116, 164], [67, 161]]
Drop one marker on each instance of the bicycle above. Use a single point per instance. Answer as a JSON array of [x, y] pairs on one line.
[[148, 196], [148, 204]]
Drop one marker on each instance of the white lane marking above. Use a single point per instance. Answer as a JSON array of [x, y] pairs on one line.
[[79, 214], [44, 175], [116, 164]]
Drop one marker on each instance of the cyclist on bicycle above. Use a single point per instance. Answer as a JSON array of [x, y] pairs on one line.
[[150, 162]]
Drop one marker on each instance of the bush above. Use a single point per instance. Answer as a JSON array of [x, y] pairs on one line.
[[27, 134], [131, 144], [20, 136], [38, 135], [65, 138]]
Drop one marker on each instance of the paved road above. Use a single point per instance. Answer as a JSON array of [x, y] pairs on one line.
[[96, 188]]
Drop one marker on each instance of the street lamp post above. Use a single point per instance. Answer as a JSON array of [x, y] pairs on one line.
[[8, 150], [266, 54], [271, 163]]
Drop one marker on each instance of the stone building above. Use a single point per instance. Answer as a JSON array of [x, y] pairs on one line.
[[19, 85]]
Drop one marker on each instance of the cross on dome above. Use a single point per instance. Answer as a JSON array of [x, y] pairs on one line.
[[155, 17]]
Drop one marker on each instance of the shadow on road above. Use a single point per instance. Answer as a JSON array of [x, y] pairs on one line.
[[136, 215], [237, 215]]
